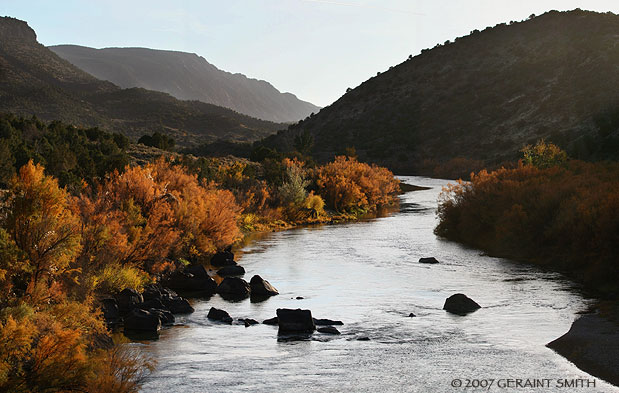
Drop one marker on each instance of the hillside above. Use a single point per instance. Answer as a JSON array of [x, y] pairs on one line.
[[187, 76], [35, 81], [483, 97]]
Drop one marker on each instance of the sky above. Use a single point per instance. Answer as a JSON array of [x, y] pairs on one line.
[[315, 49]]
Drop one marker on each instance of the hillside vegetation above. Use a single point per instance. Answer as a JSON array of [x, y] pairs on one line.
[[481, 98], [35, 81]]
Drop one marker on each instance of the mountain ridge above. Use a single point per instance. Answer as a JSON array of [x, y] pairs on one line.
[[36, 81], [482, 97], [186, 76]]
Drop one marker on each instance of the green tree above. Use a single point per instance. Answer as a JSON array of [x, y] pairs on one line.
[[293, 190]]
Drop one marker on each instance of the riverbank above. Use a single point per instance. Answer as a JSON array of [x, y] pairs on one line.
[[562, 217], [592, 343]]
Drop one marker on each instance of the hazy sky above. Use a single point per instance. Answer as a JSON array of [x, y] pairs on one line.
[[312, 48]]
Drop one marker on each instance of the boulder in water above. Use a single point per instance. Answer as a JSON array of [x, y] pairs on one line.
[[328, 330], [223, 258], [295, 321], [143, 321], [326, 322], [177, 305], [248, 322], [127, 299], [188, 282], [429, 260], [165, 316], [271, 321], [219, 315], [460, 304], [233, 288], [228, 271], [261, 287]]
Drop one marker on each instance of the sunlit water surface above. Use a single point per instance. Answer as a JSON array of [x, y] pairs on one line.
[[367, 275]]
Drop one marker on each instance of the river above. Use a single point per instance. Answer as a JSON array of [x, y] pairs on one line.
[[367, 275]]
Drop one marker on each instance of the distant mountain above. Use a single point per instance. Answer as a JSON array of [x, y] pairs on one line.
[[187, 76], [35, 81], [482, 97]]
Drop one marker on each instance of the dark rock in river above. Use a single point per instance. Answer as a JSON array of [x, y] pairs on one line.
[[177, 305], [152, 303], [326, 322], [261, 287], [142, 320], [328, 330], [231, 271], [198, 271], [248, 321], [188, 282], [430, 260], [127, 299], [411, 315], [363, 338], [165, 316], [223, 258], [151, 291], [592, 344], [460, 304], [294, 321], [271, 321], [111, 314], [219, 315], [233, 288]]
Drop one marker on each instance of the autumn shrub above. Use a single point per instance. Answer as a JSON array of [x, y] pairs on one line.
[[347, 185], [49, 339], [236, 176], [53, 349], [564, 215], [155, 212], [43, 226], [114, 278], [315, 204]]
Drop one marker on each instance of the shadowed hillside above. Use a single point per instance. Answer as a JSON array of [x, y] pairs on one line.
[[482, 97], [35, 81], [187, 76]]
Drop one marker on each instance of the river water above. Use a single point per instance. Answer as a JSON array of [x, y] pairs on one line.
[[367, 275]]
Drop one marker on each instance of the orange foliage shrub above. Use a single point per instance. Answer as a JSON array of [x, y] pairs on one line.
[[52, 350], [564, 215], [150, 213], [43, 226], [352, 186], [239, 178]]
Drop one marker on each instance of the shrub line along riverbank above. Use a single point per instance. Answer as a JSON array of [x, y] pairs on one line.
[[561, 215], [63, 251]]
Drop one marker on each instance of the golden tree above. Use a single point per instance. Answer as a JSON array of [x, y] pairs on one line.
[[42, 224]]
